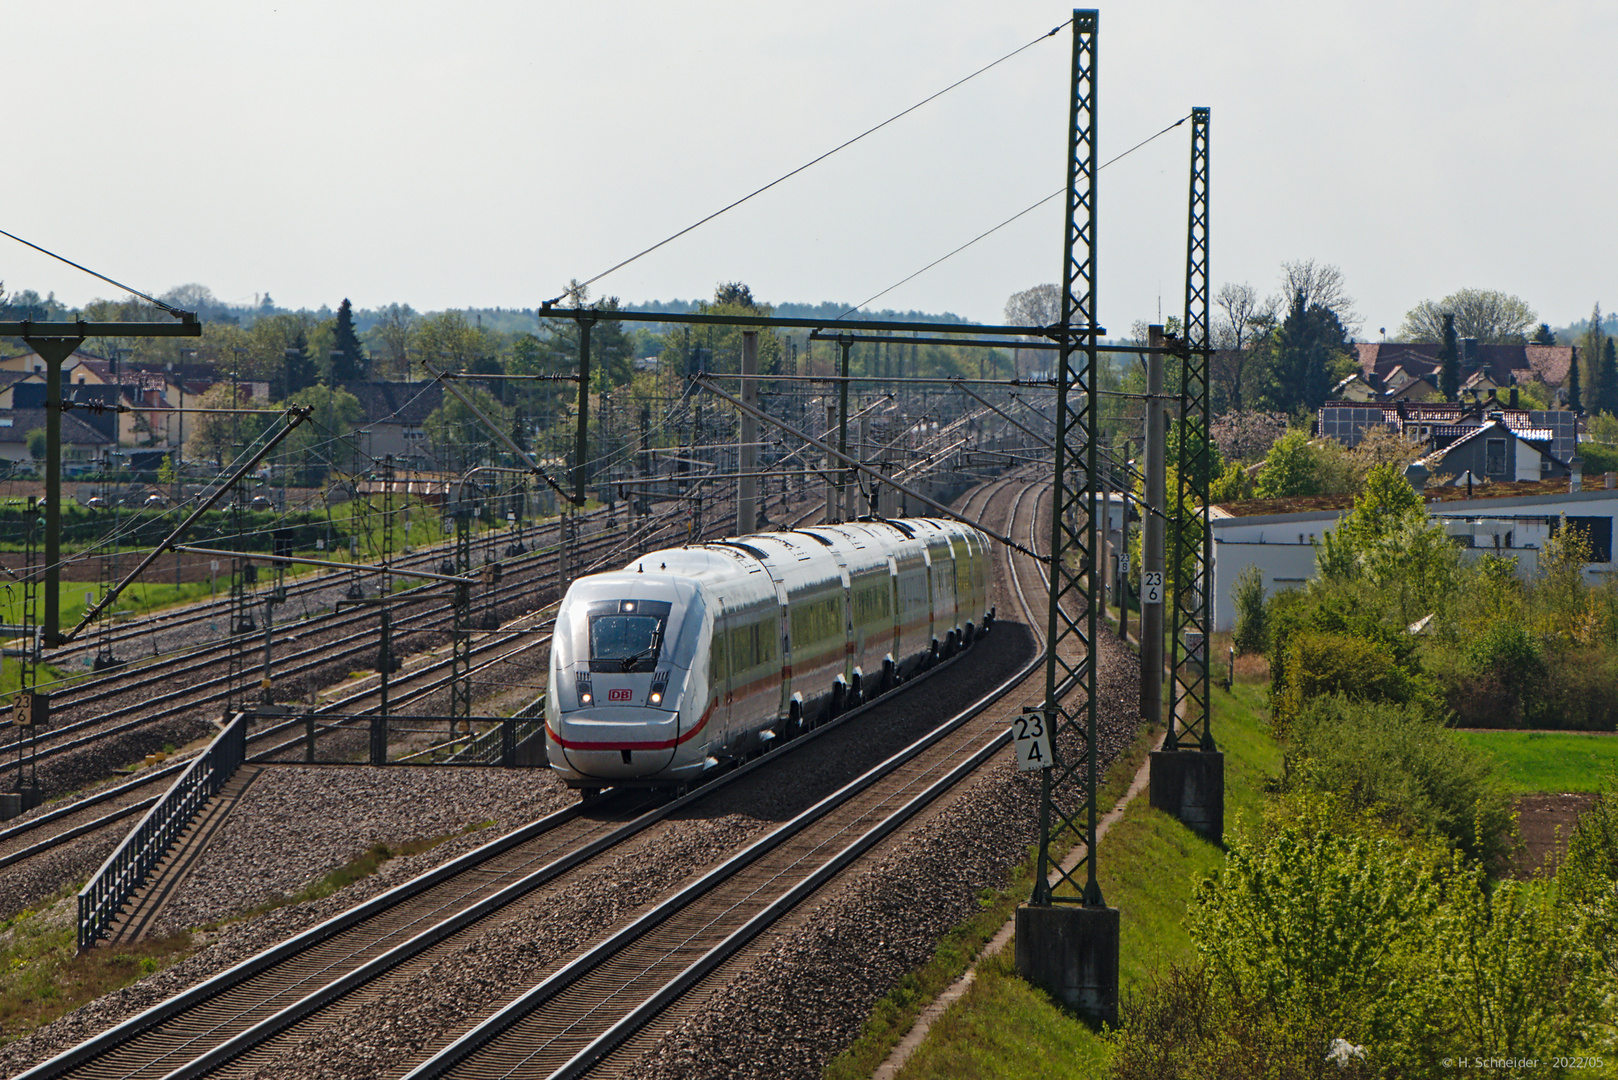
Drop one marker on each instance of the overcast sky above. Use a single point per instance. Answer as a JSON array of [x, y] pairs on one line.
[[483, 153]]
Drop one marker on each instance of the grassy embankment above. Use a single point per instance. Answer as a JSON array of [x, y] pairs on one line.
[[1148, 865]]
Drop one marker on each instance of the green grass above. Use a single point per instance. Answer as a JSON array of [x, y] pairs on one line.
[[1555, 761], [41, 978], [359, 868], [1148, 865]]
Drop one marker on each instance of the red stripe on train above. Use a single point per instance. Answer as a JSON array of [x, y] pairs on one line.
[[656, 744]]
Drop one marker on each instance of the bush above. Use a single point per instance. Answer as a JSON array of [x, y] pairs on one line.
[[1322, 663], [1403, 769], [1308, 937], [1507, 671], [1252, 621]]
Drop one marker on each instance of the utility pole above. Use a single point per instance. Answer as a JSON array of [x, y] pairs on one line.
[[1151, 551], [747, 484], [1188, 774], [842, 431]]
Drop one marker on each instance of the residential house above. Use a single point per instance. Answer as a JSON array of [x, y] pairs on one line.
[[1439, 423], [394, 414], [82, 443]]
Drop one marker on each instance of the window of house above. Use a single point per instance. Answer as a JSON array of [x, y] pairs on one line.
[[1495, 459]]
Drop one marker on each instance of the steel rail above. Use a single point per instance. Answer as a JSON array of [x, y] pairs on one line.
[[158, 1014], [506, 1019]]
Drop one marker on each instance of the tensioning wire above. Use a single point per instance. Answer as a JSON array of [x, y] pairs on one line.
[[808, 164], [1009, 220], [176, 312]]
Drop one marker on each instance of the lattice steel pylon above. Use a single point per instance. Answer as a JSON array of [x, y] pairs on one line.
[[1068, 787], [1191, 550]]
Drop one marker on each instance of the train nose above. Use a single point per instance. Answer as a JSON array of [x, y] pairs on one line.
[[618, 742]]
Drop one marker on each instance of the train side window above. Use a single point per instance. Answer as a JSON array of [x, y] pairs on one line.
[[716, 658]]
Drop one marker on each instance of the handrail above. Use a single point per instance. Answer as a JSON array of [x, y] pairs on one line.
[[126, 869]]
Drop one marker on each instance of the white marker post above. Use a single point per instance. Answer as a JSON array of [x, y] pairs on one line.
[[1151, 589], [1032, 737]]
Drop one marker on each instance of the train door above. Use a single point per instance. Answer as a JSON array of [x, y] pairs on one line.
[[784, 630], [719, 676], [932, 599], [898, 611]]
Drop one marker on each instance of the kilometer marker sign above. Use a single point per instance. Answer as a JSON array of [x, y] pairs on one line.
[[1032, 737]]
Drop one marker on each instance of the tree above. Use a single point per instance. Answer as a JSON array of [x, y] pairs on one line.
[[1449, 362], [1039, 306], [1246, 321], [1544, 336], [459, 438], [219, 436], [1321, 284], [449, 343], [325, 440], [1289, 468], [348, 361], [1609, 378], [36, 444], [1490, 316], [1575, 395], [1591, 346], [1311, 349], [390, 338]]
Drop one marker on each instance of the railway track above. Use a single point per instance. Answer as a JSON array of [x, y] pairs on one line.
[[150, 695], [237, 1021], [43, 832]]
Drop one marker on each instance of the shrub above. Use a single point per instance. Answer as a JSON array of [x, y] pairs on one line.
[[1322, 663], [1403, 769], [1252, 621], [1506, 662]]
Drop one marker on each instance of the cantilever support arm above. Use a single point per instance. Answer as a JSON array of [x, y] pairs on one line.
[[296, 415], [448, 379], [1042, 440], [824, 448]]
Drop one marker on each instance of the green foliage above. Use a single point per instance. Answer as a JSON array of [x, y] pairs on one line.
[[1313, 929], [1360, 668], [1494, 318], [460, 439], [1309, 936], [1311, 355], [1233, 485], [1252, 618], [348, 361], [1510, 663], [1402, 769], [165, 471], [37, 445], [1289, 468]]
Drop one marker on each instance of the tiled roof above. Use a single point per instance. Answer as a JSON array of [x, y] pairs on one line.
[[75, 432], [397, 403]]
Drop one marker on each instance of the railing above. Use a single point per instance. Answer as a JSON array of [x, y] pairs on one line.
[[498, 745], [126, 868]]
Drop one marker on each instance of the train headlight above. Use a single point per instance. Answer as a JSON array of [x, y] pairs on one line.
[[657, 698], [584, 699]]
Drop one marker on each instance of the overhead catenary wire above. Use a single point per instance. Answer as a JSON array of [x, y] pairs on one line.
[[808, 164], [1008, 221]]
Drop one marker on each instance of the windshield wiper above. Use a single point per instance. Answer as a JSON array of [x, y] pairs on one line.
[[631, 660]]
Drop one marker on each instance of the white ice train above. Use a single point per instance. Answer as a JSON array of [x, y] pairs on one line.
[[692, 657]]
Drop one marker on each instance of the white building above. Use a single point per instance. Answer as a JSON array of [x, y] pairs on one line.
[[1282, 545]]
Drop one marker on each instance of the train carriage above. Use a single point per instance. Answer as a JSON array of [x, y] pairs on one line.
[[692, 657]]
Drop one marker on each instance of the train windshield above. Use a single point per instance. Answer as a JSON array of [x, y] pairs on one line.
[[627, 635]]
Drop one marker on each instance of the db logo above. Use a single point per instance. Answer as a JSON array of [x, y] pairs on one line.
[[620, 695]]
